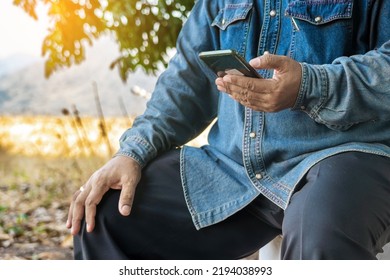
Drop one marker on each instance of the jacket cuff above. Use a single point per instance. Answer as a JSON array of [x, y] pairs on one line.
[[137, 148], [313, 92]]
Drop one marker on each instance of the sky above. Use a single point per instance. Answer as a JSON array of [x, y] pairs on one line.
[[19, 33]]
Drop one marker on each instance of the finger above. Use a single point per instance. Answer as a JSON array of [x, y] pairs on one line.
[[259, 99], [97, 190], [70, 211], [127, 194], [268, 61], [250, 89], [235, 92], [78, 211], [222, 89], [90, 214], [71, 206], [237, 83], [220, 84]]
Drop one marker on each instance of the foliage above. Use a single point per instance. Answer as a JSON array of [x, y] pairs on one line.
[[144, 30]]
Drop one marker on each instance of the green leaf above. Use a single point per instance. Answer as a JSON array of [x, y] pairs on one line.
[[144, 30]]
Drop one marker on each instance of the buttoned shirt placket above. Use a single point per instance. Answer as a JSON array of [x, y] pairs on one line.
[[255, 121]]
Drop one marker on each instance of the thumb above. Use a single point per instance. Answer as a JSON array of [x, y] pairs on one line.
[[267, 61]]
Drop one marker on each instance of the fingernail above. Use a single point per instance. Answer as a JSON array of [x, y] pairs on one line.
[[125, 210]]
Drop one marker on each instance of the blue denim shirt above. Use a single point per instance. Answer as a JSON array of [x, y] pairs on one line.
[[343, 102]]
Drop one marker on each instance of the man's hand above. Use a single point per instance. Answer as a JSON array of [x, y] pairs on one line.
[[121, 173], [266, 95]]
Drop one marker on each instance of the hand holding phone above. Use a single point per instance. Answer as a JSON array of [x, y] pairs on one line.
[[224, 62]]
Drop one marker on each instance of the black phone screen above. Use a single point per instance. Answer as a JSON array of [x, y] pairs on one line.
[[228, 62]]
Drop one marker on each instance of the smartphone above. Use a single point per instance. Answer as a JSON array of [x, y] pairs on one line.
[[224, 62]]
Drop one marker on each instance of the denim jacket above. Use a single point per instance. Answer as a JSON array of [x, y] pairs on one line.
[[343, 103]]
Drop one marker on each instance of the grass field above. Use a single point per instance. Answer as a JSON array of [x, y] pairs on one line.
[[43, 161], [35, 192], [54, 153]]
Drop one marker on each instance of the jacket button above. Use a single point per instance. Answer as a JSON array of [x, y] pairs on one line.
[[258, 176], [252, 135], [272, 13], [318, 19]]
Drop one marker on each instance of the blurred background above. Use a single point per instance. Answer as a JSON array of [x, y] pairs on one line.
[[73, 76]]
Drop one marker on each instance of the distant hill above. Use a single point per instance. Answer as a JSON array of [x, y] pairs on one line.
[[16, 62], [24, 90]]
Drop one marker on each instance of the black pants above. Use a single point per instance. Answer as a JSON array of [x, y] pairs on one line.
[[341, 210]]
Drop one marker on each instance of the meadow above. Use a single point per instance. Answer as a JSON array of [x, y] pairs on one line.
[[43, 161]]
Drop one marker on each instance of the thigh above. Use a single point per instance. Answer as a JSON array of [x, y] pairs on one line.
[[160, 225], [343, 201]]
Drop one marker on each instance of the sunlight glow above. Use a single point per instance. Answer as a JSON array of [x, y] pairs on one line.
[[20, 34], [62, 137], [58, 136]]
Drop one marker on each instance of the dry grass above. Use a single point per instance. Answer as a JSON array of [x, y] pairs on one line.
[[33, 181], [56, 153], [43, 160], [52, 156], [68, 136]]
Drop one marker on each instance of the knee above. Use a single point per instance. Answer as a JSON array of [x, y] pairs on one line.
[[324, 236], [306, 237], [107, 212]]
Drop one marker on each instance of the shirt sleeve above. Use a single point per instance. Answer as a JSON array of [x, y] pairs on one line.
[[351, 90], [185, 98]]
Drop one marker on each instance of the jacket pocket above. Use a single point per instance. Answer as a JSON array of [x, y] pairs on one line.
[[233, 22], [321, 29], [231, 13], [321, 11]]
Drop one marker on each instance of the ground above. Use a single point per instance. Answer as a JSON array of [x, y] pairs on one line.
[[39, 234]]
